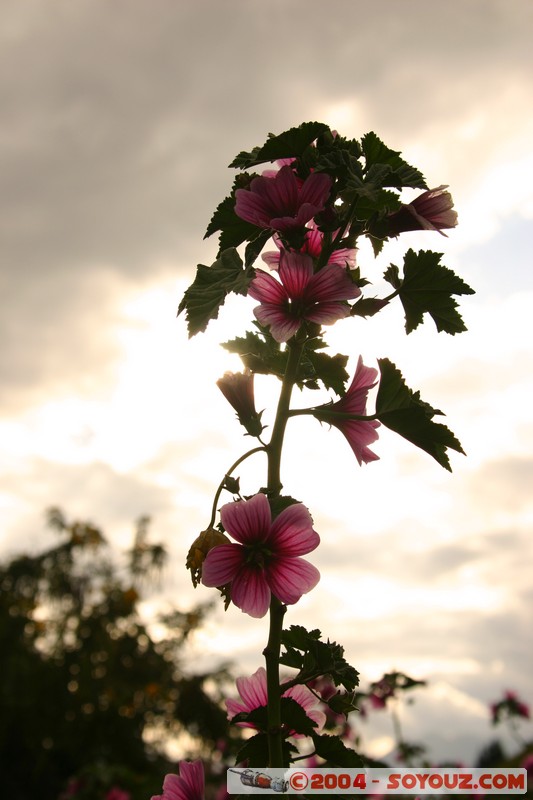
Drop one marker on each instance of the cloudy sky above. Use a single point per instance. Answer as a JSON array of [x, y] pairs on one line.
[[118, 121]]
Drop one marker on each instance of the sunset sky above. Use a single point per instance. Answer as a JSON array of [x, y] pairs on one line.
[[118, 121]]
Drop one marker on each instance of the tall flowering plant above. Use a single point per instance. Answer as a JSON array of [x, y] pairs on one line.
[[319, 195]]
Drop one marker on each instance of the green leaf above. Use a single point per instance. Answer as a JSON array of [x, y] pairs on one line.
[[207, 293], [335, 752], [368, 306], [305, 651], [289, 144], [257, 717], [259, 352], [234, 230], [342, 703], [329, 369], [294, 717], [427, 288], [401, 410], [254, 247], [254, 751], [401, 173]]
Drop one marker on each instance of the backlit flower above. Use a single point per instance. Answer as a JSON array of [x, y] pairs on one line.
[[188, 785], [266, 560], [301, 294], [431, 211], [253, 694], [282, 202], [360, 433], [344, 256]]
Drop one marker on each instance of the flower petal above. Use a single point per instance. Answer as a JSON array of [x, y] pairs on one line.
[[253, 689], [295, 272], [247, 520], [360, 433], [282, 325], [316, 189], [267, 289], [251, 208], [279, 193], [328, 313], [332, 282], [250, 592], [290, 578], [222, 564], [192, 773], [292, 532]]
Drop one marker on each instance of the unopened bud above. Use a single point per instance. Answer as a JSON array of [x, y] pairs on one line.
[[199, 549]]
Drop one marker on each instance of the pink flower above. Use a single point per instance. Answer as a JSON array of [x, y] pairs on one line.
[[282, 202], [238, 389], [115, 793], [360, 433], [344, 256], [430, 211], [253, 694], [188, 785], [301, 294], [267, 559]]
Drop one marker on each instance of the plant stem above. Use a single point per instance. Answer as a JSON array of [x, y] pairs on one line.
[[228, 473], [277, 608], [271, 654], [282, 415]]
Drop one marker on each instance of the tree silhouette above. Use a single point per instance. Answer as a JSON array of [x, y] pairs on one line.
[[88, 695]]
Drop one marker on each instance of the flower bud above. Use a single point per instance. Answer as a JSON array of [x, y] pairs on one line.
[[431, 211], [238, 389], [200, 548]]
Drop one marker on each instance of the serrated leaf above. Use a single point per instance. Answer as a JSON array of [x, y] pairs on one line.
[[402, 174], [312, 657], [427, 287], [330, 370], [298, 636], [294, 717], [289, 144], [254, 247], [368, 306], [204, 297], [258, 717], [234, 230], [259, 352], [401, 410], [342, 703], [255, 751], [334, 751]]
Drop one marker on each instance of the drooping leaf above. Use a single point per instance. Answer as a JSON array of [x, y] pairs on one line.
[[401, 173], [333, 750], [204, 297], [254, 751], [402, 410], [294, 717], [289, 144], [342, 703], [427, 287]]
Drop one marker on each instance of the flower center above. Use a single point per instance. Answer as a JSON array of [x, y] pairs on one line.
[[258, 555]]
